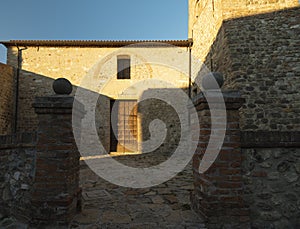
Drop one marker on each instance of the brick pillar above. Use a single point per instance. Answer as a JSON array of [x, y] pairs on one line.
[[56, 195], [218, 192]]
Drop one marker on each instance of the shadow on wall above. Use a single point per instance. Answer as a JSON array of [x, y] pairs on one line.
[[18, 148], [7, 76], [259, 56], [152, 108], [161, 113]]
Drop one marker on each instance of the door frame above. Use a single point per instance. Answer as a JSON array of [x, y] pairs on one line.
[[113, 146]]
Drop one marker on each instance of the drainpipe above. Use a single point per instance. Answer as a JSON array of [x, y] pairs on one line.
[[190, 67], [190, 74], [17, 87]]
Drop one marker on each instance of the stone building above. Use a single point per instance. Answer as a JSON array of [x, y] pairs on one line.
[[255, 44], [44, 61]]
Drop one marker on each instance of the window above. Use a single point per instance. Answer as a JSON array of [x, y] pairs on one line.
[[123, 67]]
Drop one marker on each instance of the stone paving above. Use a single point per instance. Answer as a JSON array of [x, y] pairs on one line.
[[106, 205]]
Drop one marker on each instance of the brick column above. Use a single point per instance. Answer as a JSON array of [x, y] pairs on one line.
[[218, 192], [56, 195]]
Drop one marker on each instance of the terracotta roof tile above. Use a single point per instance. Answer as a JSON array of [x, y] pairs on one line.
[[94, 43]]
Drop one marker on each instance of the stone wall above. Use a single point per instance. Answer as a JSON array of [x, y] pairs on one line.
[[271, 173], [241, 8], [206, 17], [31, 85], [102, 117], [42, 65], [262, 61], [17, 171], [39, 171], [258, 55], [167, 106], [74, 63], [272, 186], [261, 168], [7, 77]]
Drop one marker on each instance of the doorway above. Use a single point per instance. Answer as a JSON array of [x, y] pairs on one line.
[[123, 126]]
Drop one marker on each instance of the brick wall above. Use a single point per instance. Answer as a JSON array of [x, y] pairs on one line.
[[7, 74], [219, 190], [56, 194]]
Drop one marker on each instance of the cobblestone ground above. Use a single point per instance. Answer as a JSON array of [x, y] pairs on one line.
[[106, 205]]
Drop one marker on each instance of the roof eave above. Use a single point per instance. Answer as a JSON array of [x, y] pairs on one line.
[[94, 43]]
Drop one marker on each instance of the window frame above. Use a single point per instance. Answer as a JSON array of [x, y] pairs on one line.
[[123, 67]]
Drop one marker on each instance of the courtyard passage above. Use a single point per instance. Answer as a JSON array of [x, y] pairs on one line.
[[106, 205]]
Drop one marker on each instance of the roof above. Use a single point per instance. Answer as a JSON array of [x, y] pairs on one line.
[[93, 43]]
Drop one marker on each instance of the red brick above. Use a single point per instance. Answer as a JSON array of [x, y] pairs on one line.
[[230, 171], [235, 165]]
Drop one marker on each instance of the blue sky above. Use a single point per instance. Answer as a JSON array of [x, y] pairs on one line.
[[92, 20]]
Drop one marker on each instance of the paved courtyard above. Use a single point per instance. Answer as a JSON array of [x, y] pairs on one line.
[[106, 205]]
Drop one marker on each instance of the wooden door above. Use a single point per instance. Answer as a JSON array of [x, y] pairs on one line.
[[125, 126]]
